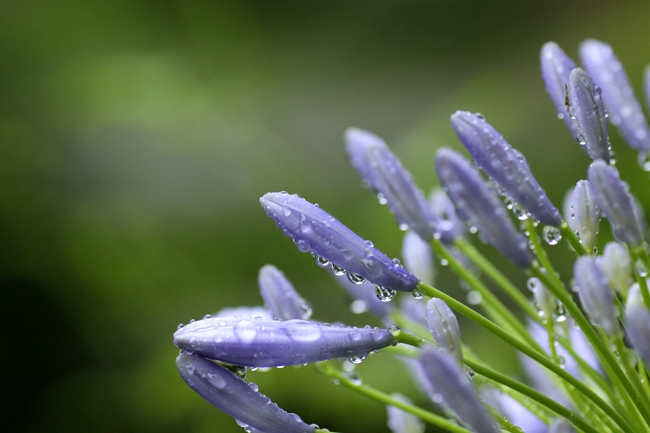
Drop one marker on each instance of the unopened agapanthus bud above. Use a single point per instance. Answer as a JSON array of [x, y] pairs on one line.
[[280, 296], [504, 164], [449, 225], [513, 411], [624, 109], [588, 111], [418, 257], [615, 201], [616, 264], [596, 295], [314, 230], [556, 68], [272, 343], [583, 214], [378, 166], [637, 323], [476, 204], [443, 326], [237, 398], [453, 391], [400, 421]]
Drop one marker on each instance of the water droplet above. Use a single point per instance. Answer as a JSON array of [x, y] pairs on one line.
[[444, 262], [612, 157], [180, 325], [354, 335], [520, 212], [382, 199], [474, 297], [396, 261], [303, 245], [640, 269], [560, 116], [286, 211], [347, 255], [416, 294], [321, 261], [253, 386], [480, 116], [355, 278], [358, 306], [551, 235], [353, 377], [394, 330], [357, 359], [581, 139], [336, 270], [245, 331], [384, 294]]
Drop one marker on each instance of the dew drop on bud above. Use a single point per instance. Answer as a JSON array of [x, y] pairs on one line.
[[336, 270], [551, 235], [384, 294], [416, 294], [355, 278]]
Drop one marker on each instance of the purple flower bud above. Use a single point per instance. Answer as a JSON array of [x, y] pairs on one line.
[[452, 389], [237, 398], [596, 295], [583, 214], [314, 230], [556, 68], [614, 199], [365, 298], [514, 411], [637, 323], [448, 223], [400, 421], [624, 109], [272, 343], [475, 203], [504, 164], [418, 257], [377, 165], [587, 109], [443, 326], [616, 264], [280, 296]]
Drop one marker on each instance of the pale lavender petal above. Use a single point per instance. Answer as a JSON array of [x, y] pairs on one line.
[[616, 202], [514, 411], [637, 323], [624, 109], [280, 296], [453, 390], [443, 326], [237, 398], [556, 68], [400, 421], [314, 230], [379, 167], [596, 295], [448, 222], [588, 111], [476, 204], [504, 164], [616, 264], [584, 214], [418, 257], [272, 343]]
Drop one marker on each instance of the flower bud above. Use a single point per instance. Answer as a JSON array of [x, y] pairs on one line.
[[475, 203], [624, 109], [513, 411], [583, 214], [595, 294], [448, 223], [418, 257], [615, 201], [616, 264], [378, 166], [237, 398], [588, 111], [271, 343], [504, 164], [443, 326], [280, 296], [556, 68], [316, 231], [453, 390], [637, 323], [400, 421], [544, 299]]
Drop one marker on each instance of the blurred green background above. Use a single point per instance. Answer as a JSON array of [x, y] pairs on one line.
[[137, 136]]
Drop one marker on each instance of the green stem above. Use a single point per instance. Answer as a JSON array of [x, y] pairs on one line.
[[327, 369], [573, 240], [499, 312], [548, 402], [495, 275], [541, 358], [639, 254], [629, 369], [618, 377]]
